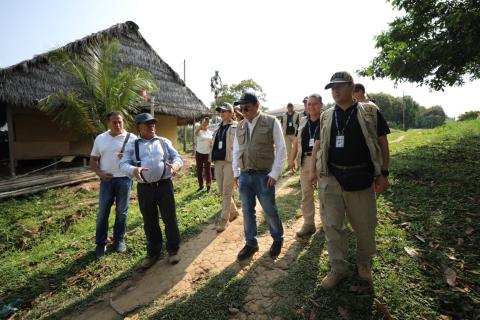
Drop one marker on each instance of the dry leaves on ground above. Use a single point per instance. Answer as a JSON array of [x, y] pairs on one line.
[[450, 277]]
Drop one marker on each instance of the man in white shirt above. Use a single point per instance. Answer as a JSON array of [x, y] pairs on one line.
[[114, 185], [258, 157]]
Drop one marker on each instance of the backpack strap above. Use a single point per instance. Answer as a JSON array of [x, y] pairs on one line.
[[125, 142], [165, 157], [137, 153]]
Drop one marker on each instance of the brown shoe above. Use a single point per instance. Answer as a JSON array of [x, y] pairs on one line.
[[173, 258], [222, 225], [332, 279], [365, 272], [148, 262], [306, 230], [233, 216]]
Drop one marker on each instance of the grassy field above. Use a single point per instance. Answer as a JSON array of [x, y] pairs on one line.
[[46, 242], [427, 265]]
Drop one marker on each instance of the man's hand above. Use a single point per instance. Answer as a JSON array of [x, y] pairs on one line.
[[313, 179], [380, 184], [137, 171], [291, 166], [271, 182], [173, 168], [105, 176]]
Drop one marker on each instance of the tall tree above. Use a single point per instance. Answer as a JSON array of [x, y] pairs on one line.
[[100, 85], [435, 43], [233, 92]]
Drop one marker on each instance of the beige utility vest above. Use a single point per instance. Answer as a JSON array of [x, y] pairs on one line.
[[301, 127], [257, 152], [367, 118], [295, 121], [230, 135]]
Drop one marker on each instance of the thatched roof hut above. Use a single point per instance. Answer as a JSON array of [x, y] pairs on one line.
[[24, 84], [27, 82]]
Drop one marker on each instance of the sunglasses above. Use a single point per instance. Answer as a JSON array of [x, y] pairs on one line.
[[245, 109]]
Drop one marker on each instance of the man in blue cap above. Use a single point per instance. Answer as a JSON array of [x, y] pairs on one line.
[[259, 153], [152, 160]]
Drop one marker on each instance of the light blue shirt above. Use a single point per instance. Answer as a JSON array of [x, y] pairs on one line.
[[151, 157]]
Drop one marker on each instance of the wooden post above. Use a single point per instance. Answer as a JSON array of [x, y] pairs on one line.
[[152, 107], [185, 138], [11, 140], [193, 136]]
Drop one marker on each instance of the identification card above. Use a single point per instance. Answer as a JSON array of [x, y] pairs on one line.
[[290, 124], [311, 142], [220, 145], [339, 141]]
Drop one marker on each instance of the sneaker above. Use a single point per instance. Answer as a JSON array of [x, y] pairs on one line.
[[332, 279], [120, 246], [246, 252], [306, 231], [100, 251], [222, 225], [365, 272], [148, 262], [233, 216], [275, 249], [173, 258]]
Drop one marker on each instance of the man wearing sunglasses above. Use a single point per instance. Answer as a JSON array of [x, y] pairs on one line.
[[259, 153]]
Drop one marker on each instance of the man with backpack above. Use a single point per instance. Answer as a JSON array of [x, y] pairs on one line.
[[152, 160]]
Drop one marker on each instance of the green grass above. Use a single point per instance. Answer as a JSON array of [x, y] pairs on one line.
[[47, 240]]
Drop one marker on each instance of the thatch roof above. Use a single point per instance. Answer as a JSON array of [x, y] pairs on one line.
[[27, 82]]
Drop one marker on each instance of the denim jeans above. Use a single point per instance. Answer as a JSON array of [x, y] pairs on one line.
[[255, 185], [118, 190]]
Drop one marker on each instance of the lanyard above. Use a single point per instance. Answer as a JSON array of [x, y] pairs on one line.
[[223, 131], [310, 131], [340, 132]]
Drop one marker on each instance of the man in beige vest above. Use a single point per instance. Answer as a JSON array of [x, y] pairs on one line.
[[290, 121], [308, 132], [258, 158], [352, 163]]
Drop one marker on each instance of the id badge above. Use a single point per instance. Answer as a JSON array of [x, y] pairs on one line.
[[220, 145], [339, 141], [290, 124], [311, 142]]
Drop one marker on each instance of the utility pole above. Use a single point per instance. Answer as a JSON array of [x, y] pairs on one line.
[[185, 125], [403, 109]]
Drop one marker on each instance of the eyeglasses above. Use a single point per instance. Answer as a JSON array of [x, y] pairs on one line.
[[243, 110]]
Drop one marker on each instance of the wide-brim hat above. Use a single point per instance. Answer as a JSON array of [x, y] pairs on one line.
[[144, 117], [339, 77]]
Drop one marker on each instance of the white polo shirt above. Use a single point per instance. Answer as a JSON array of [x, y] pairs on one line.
[[107, 148]]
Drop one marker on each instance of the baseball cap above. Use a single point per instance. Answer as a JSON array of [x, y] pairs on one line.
[[144, 117], [305, 99], [247, 98], [359, 87], [339, 77], [225, 107]]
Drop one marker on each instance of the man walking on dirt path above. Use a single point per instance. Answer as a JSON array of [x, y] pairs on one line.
[[352, 163], [258, 158], [290, 121], [114, 185], [153, 161], [308, 132]]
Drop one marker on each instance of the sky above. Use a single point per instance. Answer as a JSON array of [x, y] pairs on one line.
[[290, 48]]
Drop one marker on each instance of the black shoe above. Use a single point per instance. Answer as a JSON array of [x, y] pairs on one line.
[[100, 251], [276, 248], [246, 252], [208, 188], [200, 189]]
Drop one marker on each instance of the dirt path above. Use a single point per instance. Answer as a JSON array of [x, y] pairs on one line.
[[203, 257], [398, 139]]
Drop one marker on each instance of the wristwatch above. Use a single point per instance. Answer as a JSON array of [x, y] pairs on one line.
[[385, 173]]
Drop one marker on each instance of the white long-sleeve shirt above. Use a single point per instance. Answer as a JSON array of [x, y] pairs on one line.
[[280, 149]]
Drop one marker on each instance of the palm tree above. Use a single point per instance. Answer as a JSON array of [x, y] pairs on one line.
[[100, 86]]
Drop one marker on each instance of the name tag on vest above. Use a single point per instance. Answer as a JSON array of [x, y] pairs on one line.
[[339, 141]]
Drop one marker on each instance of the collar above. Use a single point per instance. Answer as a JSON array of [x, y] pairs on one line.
[[155, 137], [353, 106], [254, 121], [124, 133]]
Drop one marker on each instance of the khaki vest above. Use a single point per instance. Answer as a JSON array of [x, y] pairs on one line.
[[257, 152], [295, 120], [301, 126], [367, 118], [230, 135]]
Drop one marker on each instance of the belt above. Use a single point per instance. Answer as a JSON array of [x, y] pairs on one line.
[[358, 166], [254, 171], [307, 154], [154, 184]]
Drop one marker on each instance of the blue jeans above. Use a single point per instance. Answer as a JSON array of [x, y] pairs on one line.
[[255, 185], [118, 190]]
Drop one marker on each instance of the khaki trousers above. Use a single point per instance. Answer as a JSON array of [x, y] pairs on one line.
[[308, 201], [224, 177], [289, 140], [360, 209]]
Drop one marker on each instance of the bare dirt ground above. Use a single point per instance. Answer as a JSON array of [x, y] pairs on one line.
[[203, 257]]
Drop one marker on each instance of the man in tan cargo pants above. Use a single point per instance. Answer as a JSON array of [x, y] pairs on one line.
[[308, 132], [352, 163]]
